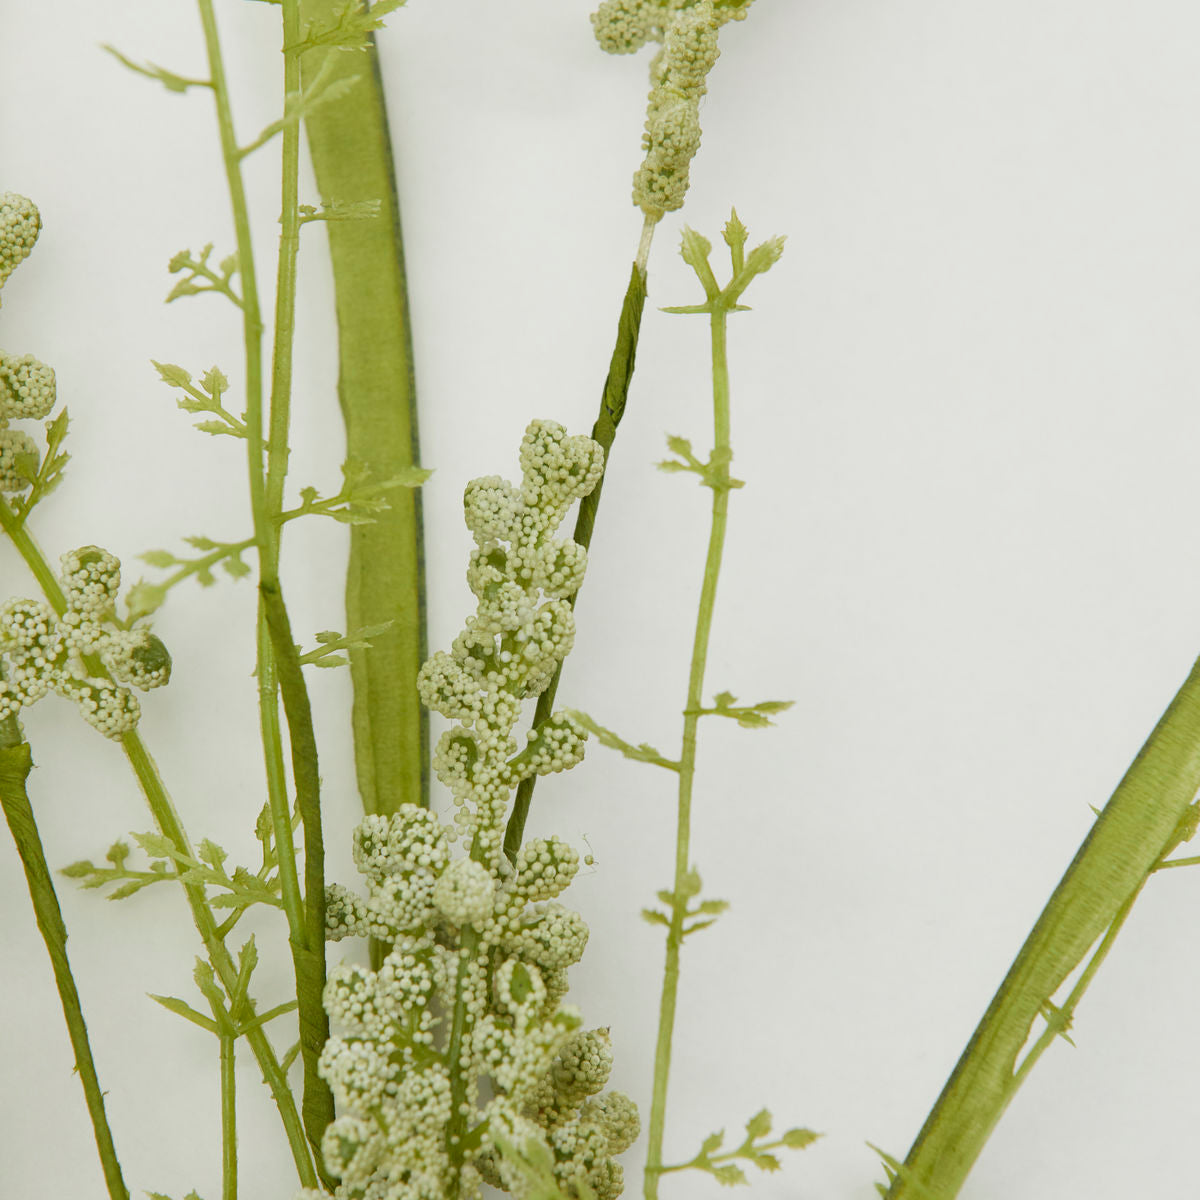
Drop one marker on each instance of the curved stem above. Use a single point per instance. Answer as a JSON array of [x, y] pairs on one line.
[[15, 764], [681, 891]]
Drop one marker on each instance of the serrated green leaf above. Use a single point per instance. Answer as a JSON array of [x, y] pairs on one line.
[[182, 1009], [154, 844], [653, 917], [214, 382], [799, 1139], [117, 853], [78, 870], [159, 558], [680, 445], [170, 374], [235, 567], [759, 1125], [728, 1175], [144, 598], [672, 464], [263, 828], [219, 429], [690, 884], [212, 854], [711, 1143], [724, 699], [330, 660], [765, 1162], [127, 889], [712, 906]]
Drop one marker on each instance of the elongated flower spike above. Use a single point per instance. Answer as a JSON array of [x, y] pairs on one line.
[[460, 1045], [20, 224], [679, 71]]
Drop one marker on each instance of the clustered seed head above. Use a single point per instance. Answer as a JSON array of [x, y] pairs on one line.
[[522, 1070], [20, 224], [19, 458], [27, 388], [42, 652], [687, 30]]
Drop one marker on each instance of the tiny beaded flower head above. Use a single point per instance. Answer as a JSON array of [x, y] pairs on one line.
[[687, 30], [20, 224]]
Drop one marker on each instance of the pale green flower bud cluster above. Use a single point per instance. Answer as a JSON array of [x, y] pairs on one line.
[[27, 390], [462, 1033], [41, 652], [687, 30], [20, 224]]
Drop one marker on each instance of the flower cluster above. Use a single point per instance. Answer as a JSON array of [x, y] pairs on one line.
[[42, 652], [460, 1045], [20, 224], [687, 30], [27, 391]]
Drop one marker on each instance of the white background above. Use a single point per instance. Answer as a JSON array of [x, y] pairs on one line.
[[965, 406]]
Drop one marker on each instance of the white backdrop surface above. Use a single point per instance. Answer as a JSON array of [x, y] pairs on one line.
[[965, 406]]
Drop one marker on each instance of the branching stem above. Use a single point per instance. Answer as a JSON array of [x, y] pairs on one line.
[[687, 760]]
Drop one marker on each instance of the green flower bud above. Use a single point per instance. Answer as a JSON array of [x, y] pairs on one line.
[[91, 578], [27, 387], [20, 224], [138, 657], [19, 458]]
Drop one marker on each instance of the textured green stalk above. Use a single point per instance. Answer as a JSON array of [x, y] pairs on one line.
[[228, 1118], [1143, 820], [170, 826], [266, 499], [352, 159], [687, 761], [15, 764], [310, 982], [612, 408]]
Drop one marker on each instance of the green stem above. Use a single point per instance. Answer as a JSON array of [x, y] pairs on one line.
[[266, 499], [310, 959], [15, 764], [170, 826], [228, 1119], [352, 158], [612, 408], [687, 761], [1142, 822]]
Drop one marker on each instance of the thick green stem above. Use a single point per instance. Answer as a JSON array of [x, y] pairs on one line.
[[1141, 822], [15, 764], [604, 431], [228, 1118], [687, 760], [352, 159]]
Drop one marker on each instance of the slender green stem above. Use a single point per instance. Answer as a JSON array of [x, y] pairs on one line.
[[687, 762], [228, 1118], [612, 408], [1143, 822], [170, 826], [266, 499], [15, 764]]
